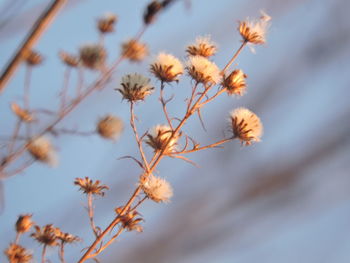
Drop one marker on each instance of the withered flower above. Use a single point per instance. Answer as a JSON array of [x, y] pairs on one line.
[[69, 60], [203, 70], [47, 235], [158, 138], [66, 237], [129, 222], [202, 47], [166, 67], [18, 254], [254, 31], [134, 50], [135, 87], [110, 127], [93, 56], [22, 114], [106, 23], [90, 187], [156, 188], [33, 58], [24, 223], [235, 82]]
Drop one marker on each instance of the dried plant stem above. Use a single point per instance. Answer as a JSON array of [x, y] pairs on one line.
[[26, 93], [244, 43], [164, 103], [37, 30], [91, 215], [14, 136], [43, 254], [61, 252], [18, 236], [213, 145], [65, 87]]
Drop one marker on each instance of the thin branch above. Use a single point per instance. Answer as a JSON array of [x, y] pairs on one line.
[[164, 103], [91, 215]]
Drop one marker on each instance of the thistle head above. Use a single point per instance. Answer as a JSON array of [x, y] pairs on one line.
[[202, 47], [166, 68], [203, 70], [135, 87]]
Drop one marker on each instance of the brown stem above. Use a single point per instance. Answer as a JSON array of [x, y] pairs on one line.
[[234, 56], [61, 254], [164, 103], [14, 136], [26, 93], [65, 87], [43, 254], [195, 149], [18, 235], [91, 215]]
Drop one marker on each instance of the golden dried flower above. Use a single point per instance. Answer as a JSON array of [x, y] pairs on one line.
[[110, 127], [22, 114], [135, 87], [69, 60], [134, 50], [18, 254], [166, 67], [24, 223], [202, 47], [129, 222], [246, 126], [106, 23], [90, 187], [156, 188], [47, 235], [235, 82], [254, 31], [33, 58], [42, 150], [203, 70], [93, 56], [158, 139], [66, 237]]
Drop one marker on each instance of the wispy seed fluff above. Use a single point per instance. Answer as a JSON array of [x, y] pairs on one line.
[[42, 150], [166, 67], [254, 31], [158, 137], [135, 87], [93, 56], [134, 50], [246, 126], [203, 70], [235, 83], [110, 127], [156, 188], [202, 47]]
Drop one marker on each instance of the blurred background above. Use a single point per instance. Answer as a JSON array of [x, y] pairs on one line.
[[285, 199]]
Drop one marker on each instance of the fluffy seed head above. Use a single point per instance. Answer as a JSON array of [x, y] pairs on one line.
[[203, 70], [42, 150], [166, 67], [47, 235], [134, 50], [156, 188], [22, 114], [235, 82], [246, 126], [33, 58], [254, 31], [93, 56], [158, 138], [18, 254], [110, 127], [202, 47], [135, 87], [90, 187], [69, 60], [106, 23], [24, 223]]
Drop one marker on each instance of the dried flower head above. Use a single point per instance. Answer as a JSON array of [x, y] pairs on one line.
[[18, 254], [202, 47], [93, 56], [135, 87], [106, 23], [235, 82], [42, 150], [254, 31], [33, 58], [166, 67], [22, 114], [24, 223], [47, 235], [66, 237], [156, 188], [68, 59], [203, 70], [159, 136], [134, 50], [110, 127], [129, 222], [90, 187], [246, 126], [151, 11]]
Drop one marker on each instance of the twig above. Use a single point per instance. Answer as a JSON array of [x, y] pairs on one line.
[[43, 254], [91, 215], [164, 103]]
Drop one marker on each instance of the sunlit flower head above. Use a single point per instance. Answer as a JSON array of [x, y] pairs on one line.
[[129, 220], [156, 188], [91, 187], [47, 235], [22, 114], [24, 223], [235, 83], [110, 127], [159, 136], [246, 126], [202, 47], [203, 70], [93, 56], [106, 23], [166, 67], [134, 50], [33, 58], [42, 150], [18, 254], [135, 87], [254, 31], [68, 59]]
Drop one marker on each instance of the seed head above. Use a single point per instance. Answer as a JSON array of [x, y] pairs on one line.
[[24, 223], [69, 60], [156, 188], [246, 126], [254, 31], [235, 82], [106, 23], [93, 56], [47, 235], [33, 58], [202, 47], [90, 187], [166, 67], [203, 70], [151, 11], [22, 114], [134, 50], [110, 127], [18, 254], [158, 139], [135, 87], [42, 150], [129, 220], [66, 237]]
